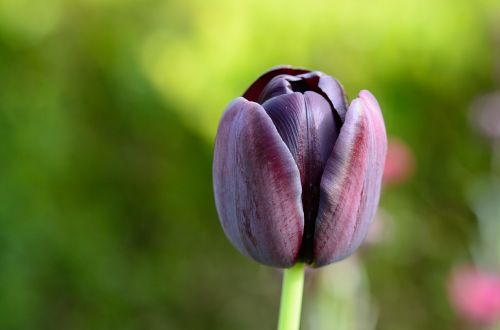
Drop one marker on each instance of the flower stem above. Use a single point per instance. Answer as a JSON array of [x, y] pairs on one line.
[[291, 298]]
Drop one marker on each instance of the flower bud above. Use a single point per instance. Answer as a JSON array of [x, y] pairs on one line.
[[297, 170], [475, 294]]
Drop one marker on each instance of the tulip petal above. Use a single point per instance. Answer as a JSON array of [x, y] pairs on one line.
[[257, 186], [324, 124], [288, 115], [279, 85], [324, 85], [335, 92], [254, 91], [306, 124], [350, 185], [376, 164]]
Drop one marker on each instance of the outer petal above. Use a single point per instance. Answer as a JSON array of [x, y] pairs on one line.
[[350, 185], [254, 91], [257, 186]]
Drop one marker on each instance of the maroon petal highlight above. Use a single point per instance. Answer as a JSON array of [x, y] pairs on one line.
[[257, 186], [350, 186]]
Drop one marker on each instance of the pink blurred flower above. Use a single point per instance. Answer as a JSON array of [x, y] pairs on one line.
[[485, 115], [399, 163], [475, 294]]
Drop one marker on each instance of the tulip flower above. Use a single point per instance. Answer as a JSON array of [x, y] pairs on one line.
[[485, 115], [297, 172], [475, 294], [399, 163]]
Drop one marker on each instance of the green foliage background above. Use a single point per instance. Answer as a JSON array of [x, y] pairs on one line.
[[108, 111]]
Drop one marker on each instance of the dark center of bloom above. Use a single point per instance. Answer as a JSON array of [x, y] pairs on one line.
[[308, 124]]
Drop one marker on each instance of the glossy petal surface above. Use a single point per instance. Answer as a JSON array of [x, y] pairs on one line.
[[257, 186], [350, 186]]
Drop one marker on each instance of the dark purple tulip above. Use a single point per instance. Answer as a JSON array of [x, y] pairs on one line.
[[297, 171]]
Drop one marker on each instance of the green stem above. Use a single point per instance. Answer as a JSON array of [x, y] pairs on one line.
[[291, 298]]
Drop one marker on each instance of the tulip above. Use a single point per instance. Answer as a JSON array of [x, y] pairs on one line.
[[297, 170], [485, 115], [475, 294], [399, 163]]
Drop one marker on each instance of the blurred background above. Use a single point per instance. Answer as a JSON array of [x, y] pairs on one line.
[[108, 112]]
